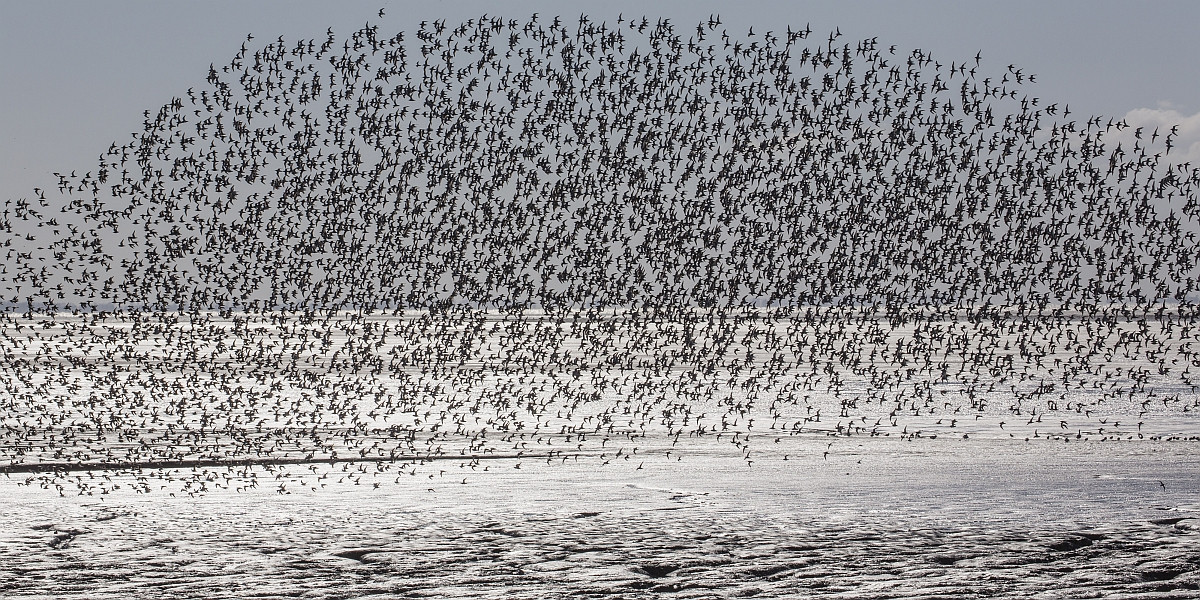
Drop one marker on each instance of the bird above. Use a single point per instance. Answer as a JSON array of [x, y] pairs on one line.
[[551, 238]]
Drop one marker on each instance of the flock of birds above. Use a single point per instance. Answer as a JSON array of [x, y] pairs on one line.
[[555, 240]]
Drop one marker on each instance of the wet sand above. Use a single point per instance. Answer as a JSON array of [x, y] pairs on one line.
[[876, 518]]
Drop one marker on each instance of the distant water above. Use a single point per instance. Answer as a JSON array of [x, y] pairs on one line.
[[876, 519], [157, 391]]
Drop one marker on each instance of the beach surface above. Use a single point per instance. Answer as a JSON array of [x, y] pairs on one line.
[[873, 518]]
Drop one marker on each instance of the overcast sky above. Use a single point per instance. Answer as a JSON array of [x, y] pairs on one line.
[[76, 76]]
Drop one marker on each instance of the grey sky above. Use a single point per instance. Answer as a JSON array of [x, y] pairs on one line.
[[77, 75]]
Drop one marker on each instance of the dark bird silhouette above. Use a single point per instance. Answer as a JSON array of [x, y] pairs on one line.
[[567, 240]]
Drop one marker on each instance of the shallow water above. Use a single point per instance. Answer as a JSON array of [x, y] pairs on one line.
[[883, 519]]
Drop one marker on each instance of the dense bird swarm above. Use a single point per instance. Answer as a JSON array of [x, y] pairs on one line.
[[563, 238]]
